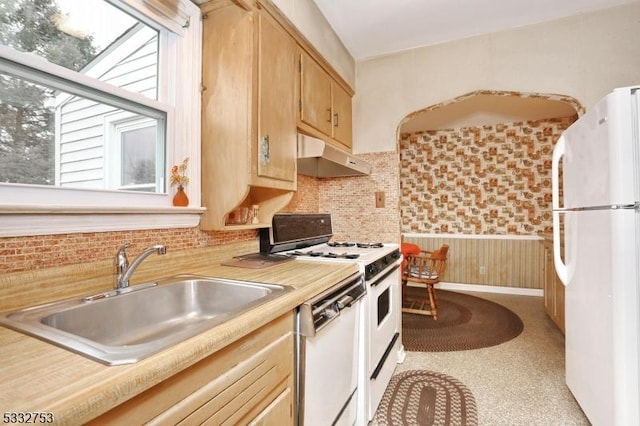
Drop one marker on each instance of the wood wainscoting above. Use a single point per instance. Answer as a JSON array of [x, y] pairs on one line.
[[489, 260]]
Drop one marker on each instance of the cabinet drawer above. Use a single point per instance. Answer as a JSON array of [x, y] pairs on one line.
[[278, 412], [231, 386], [233, 396]]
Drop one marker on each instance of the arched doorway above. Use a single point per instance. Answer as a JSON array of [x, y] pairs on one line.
[[481, 163]]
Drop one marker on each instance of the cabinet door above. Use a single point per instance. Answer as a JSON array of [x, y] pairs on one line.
[[553, 289], [315, 96], [559, 305], [342, 124], [549, 288], [276, 102]]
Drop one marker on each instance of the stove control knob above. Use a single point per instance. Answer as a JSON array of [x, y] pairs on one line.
[[329, 313], [373, 269], [344, 302]]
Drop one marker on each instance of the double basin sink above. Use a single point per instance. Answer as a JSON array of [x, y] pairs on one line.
[[123, 327]]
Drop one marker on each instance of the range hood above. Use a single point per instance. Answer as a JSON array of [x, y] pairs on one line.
[[319, 159]]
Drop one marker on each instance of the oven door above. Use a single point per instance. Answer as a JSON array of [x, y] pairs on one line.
[[383, 313], [329, 372]]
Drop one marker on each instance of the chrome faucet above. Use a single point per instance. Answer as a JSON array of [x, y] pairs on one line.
[[122, 263]]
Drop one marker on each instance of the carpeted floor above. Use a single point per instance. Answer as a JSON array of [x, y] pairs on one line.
[[464, 322], [519, 382]]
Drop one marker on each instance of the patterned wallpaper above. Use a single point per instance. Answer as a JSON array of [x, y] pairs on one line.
[[494, 179]]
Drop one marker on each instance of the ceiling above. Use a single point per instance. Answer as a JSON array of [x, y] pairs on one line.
[[370, 28]]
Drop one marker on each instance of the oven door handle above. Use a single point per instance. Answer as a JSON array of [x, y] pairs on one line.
[[389, 272]]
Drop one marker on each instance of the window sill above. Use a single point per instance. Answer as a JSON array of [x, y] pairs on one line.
[[33, 219]]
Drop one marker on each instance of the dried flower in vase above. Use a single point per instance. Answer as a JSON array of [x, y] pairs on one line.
[[178, 175]]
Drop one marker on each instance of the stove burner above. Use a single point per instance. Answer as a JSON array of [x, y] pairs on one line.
[[328, 255], [343, 255], [370, 245], [340, 244]]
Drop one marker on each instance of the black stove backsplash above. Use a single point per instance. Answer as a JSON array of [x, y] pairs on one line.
[[295, 230]]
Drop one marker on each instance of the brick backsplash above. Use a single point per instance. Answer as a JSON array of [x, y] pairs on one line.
[[42, 251], [352, 201], [494, 179], [307, 198]]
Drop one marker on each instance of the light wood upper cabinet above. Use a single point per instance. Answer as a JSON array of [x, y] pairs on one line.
[[342, 116], [249, 113], [276, 102], [325, 106], [315, 95]]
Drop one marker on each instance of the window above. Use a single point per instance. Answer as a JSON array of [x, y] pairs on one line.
[[137, 151], [93, 112]]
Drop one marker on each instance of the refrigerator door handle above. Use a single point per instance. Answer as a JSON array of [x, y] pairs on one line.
[[558, 153]]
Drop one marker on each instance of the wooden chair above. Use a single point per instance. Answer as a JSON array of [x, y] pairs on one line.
[[426, 269]]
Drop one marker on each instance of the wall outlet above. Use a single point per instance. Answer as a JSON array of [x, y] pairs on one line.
[[379, 199], [483, 270]]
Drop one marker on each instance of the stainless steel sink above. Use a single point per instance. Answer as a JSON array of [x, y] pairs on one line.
[[123, 327]]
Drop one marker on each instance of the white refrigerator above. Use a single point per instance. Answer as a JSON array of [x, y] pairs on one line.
[[596, 224]]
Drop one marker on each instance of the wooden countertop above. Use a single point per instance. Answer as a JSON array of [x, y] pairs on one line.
[[40, 377]]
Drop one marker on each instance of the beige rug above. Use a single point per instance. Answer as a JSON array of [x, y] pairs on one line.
[[424, 398]]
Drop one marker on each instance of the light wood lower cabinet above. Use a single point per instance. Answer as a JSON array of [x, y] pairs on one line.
[[553, 288], [248, 382]]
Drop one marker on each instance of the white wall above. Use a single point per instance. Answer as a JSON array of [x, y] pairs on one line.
[[584, 57]]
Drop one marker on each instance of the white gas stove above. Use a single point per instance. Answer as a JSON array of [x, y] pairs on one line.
[[308, 238], [373, 257]]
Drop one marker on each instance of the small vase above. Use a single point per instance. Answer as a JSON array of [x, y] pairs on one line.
[[180, 199]]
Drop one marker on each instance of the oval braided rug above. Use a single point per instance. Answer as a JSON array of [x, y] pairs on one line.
[[464, 322], [420, 397]]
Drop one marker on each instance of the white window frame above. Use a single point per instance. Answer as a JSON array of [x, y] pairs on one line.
[[116, 125], [37, 210]]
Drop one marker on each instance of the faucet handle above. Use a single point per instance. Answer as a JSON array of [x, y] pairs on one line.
[[123, 248], [122, 263]]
